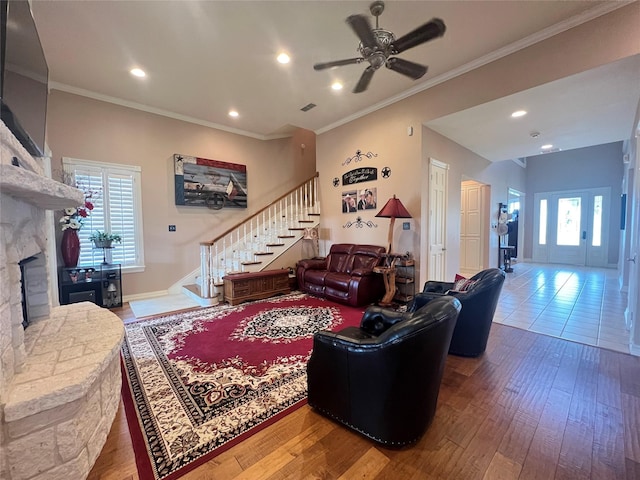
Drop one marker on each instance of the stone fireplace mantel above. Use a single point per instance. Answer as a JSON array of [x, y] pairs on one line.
[[37, 190], [26, 180]]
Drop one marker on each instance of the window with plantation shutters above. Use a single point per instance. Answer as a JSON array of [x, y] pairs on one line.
[[116, 196]]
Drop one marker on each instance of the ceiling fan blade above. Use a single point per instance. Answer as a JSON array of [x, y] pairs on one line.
[[433, 29], [337, 63], [365, 79], [405, 67], [362, 28]]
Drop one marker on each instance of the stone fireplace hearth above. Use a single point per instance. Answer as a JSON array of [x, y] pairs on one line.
[[60, 378]]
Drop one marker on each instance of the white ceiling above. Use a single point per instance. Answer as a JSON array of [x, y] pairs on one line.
[[204, 58], [590, 108]]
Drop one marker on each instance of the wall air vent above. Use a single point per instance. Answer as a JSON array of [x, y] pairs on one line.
[[308, 107]]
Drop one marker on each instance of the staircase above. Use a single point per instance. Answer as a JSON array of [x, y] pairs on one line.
[[254, 244]]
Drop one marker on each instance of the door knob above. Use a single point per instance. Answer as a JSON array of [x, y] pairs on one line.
[[632, 259]]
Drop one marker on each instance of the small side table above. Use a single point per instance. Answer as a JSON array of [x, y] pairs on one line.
[[388, 272], [389, 275]]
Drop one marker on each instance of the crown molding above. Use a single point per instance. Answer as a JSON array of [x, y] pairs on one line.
[[157, 111]]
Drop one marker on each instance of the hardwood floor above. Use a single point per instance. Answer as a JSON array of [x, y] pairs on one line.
[[532, 407]]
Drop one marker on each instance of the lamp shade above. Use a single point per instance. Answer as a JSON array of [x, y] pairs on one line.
[[393, 209]]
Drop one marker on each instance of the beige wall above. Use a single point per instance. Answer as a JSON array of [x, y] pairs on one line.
[[603, 40], [88, 129]]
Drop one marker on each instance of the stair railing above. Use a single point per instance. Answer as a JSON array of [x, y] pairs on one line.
[[242, 246]]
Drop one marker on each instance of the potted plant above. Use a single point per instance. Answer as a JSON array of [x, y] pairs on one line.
[[104, 239]]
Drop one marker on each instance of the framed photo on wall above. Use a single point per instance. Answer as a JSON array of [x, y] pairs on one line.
[[367, 199], [349, 201]]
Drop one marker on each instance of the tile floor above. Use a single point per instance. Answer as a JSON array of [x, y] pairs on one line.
[[581, 304]]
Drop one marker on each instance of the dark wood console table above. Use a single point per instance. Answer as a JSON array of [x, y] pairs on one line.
[[239, 287]]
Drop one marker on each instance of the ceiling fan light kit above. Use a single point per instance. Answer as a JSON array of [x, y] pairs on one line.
[[378, 45]]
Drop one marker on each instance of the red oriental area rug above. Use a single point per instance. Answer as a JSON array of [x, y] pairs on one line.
[[196, 383]]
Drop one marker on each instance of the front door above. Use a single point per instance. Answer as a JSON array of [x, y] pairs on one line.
[[569, 230], [571, 227]]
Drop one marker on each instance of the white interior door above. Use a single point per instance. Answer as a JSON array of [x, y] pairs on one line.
[[437, 219], [633, 302], [471, 227]]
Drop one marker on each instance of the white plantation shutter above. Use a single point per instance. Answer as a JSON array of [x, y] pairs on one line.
[[122, 217], [117, 209]]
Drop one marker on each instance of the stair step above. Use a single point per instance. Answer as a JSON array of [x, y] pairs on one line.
[[263, 253], [275, 244], [233, 272], [193, 291], [250, 263]]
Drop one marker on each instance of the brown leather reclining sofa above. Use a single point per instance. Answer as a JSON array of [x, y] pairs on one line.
[[345, 275]]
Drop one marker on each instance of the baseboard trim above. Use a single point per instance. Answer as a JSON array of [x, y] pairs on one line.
[[144, 296]]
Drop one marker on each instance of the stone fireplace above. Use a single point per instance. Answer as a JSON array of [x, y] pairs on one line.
[[60, 377]]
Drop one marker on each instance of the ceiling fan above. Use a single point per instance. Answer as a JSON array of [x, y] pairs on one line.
[[378, 45]]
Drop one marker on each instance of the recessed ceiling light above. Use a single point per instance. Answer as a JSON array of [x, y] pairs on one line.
[[233, 113], [519, 113], [336, 86], [137, 72], [283, 58], [548, 146]]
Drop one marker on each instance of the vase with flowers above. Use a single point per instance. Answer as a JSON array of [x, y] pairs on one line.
[[71, 223]]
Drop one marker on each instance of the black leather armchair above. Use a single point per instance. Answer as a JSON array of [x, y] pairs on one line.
[[383, 378], [478, 307]]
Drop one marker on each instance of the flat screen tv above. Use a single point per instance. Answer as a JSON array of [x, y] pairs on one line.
[[24, 76]]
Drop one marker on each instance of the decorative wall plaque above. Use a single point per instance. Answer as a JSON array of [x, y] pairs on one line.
[[359, 175]]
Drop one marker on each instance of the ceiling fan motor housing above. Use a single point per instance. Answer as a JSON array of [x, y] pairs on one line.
[[378, 55]]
